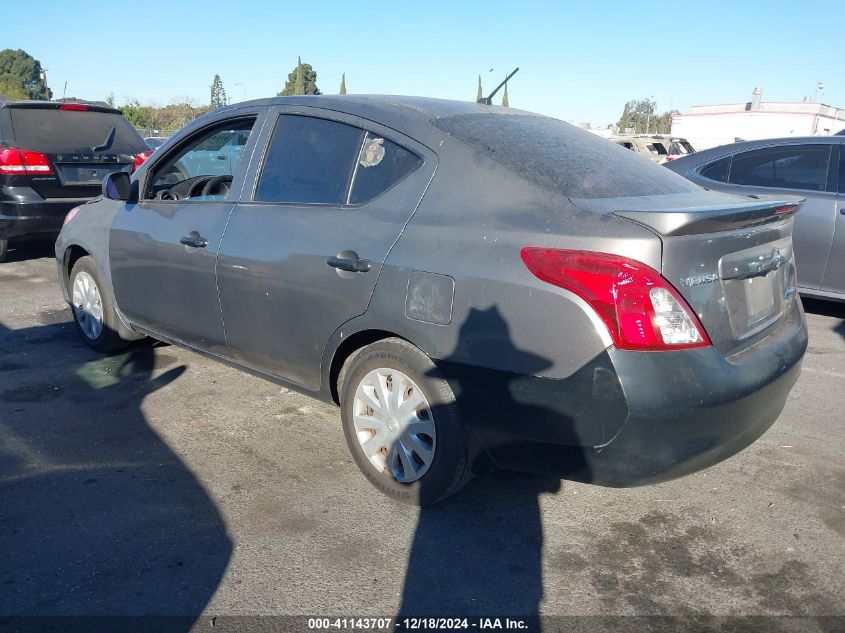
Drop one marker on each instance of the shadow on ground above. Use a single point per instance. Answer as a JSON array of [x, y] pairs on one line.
[[834, 309], [99, 516], [30, 249], [480, 553]]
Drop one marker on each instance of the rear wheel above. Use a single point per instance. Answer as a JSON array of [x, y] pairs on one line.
[[93, 308], [402, 424]]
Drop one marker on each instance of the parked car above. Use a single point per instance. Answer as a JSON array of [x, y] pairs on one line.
[[475, 286], [678, 147], [53, 156], [810, 167], [155, 141], [660, 148]]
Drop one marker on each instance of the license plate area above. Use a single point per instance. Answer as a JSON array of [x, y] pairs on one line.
[[86, 174], [754, 303], [759, 299]]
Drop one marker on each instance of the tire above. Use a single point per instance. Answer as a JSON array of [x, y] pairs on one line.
[[90, 307], [4, 249], [430, 426]]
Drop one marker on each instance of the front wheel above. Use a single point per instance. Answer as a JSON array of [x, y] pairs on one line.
[[401, 423], [93, 308]]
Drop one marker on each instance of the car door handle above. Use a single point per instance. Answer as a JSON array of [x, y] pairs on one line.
[[194, 240], [353, 265], [222, 157]]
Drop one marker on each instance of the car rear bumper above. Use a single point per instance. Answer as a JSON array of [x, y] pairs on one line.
[[25, 217], [633, 418]]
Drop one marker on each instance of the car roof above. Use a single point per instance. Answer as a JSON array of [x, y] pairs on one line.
[[410, 115]]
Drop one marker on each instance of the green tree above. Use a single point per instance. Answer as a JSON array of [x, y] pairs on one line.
[[480, 94], [110, 100], [343, 84], [505, 97], [309, 81], [637, 114], [21, 76], [299, 84], [139, 115], [218, 93]]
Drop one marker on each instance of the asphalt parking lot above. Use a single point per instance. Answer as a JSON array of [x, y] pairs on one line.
[[159, 482]]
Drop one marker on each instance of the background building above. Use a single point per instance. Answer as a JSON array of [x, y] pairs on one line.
[[711, 125]]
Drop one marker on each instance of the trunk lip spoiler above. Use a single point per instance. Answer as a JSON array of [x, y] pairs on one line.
[[693, 220]]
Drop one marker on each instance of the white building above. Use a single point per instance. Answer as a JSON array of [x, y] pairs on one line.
[[711, 125]]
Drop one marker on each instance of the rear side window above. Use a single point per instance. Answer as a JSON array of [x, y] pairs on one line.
[[309, 161], [657, 148], [717, 170], [559, 157], [791, 167], [381, 164], [54, 130]]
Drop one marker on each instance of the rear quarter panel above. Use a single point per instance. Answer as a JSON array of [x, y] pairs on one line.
[[471, 225]]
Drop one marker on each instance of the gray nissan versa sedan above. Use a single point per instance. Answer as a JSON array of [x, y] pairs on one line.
[[476, 287]]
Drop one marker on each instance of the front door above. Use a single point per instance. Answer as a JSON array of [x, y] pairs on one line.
[[163, 249], [303, 251]]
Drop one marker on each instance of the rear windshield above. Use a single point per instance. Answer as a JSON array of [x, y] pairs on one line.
[[53, 130], [557, 156]]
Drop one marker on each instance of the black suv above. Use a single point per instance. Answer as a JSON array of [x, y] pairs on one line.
[[53, 156]]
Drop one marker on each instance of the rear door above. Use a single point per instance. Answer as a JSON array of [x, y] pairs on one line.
[[163, 249], [834, 279], [304, 248]]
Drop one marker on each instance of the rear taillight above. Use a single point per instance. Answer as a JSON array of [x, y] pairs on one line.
[[140, 158], [642, 311], [17, 162], [75, 107]]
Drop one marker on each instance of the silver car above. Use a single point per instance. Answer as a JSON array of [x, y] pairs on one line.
[[476, 287], [810, 167]]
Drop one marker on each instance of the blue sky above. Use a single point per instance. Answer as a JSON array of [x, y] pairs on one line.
[[579, 61]]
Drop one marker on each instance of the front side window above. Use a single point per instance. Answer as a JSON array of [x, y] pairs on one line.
[[791, 167], [309, 161], [210, 159], [842, 168]]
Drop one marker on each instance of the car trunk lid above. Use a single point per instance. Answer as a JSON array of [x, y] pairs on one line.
[[82, 142], [731, 258]]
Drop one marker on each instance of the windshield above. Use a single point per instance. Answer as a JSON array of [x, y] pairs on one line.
[[54, 130], [557, 156]]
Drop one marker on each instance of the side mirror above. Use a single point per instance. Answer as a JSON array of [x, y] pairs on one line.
[[116, 186]]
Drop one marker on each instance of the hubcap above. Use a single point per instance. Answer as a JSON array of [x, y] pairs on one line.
[[87, 305], [394, 424]]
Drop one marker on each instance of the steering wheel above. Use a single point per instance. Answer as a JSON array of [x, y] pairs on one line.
[[167, 194], [219, 182]]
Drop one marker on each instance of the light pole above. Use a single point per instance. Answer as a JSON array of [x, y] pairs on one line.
[[819, 87], [43, 76], [242, 85]]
